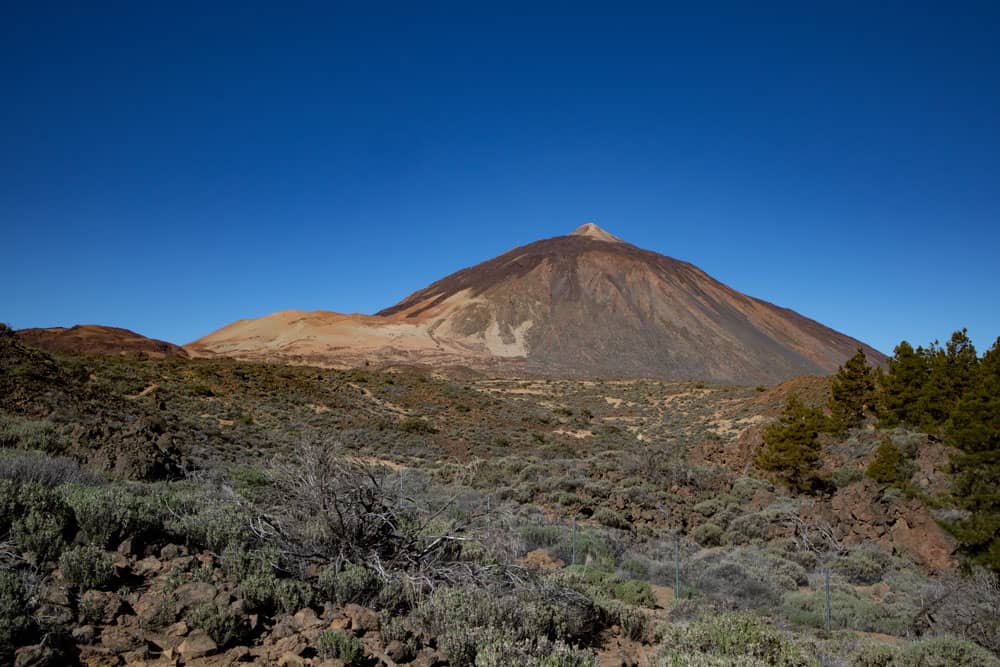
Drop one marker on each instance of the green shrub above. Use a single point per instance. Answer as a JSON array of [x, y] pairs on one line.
[[465, 618], [558, 540], [733, 638], [875, 654], [844, 477], [707, 535], [15, 620], [601, 583], [88, 566], [34, 467], [23, 433], [36, 517], [268, 593], [109, 514], [610, 518], [743, 578], [863, 566], [889, 465], [224, 627], [239, 564], [354, 583], [416, 425], [849, 609], [494, 651], [947, 651], [347, 648], [40, 532], [214, 525]]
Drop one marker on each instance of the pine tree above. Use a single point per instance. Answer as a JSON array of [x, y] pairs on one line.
[[791, 446], [902, 387], [888, 467], [852, 391], [975, 430], [951, 372]]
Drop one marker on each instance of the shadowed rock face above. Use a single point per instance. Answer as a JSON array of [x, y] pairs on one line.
[[96, 339], [585, 304]]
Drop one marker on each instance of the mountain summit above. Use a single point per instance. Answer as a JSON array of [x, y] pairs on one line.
[[584, 305], [590, 230]]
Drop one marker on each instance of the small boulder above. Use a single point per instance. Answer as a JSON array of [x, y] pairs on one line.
[[290, 660], [362, 619], [197, 645], [305, 618], [194, 593], [38, 655], [121, 639], [102, 606], [83, 634], [398, 651]]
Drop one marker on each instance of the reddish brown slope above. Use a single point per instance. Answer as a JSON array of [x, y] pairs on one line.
[[97, 339]]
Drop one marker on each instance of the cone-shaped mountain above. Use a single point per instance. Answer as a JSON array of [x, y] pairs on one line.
[[587, 305]]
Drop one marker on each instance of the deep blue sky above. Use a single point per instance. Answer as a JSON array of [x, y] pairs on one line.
[[170, 169]]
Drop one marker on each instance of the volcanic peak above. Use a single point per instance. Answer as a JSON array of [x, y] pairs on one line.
[[590, 230]]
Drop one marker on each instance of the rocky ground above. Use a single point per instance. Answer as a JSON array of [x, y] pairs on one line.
[[146, 521]]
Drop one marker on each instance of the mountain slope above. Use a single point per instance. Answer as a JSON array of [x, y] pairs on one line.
[[98, 339], [585, 304]]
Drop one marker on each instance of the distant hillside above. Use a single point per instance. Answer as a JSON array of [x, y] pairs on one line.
[[97, 339]]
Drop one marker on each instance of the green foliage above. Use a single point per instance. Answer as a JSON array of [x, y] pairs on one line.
[[610, 518], [601, 583], [23, 433], [850, 609], [951, 373], [923, 386], [496, 651], [889, 466], [558, 540], [975, 431], [205, 521], [15, 619], [347, 648], [901, 390], [946, 652], [464, 619], [728, 639], [863, 566], [36, 517], [707, 535], [88, 566], [353, 583], [224, 627], [852, 391], [266, 592], [791, 446], [416, 425], [875, 654], [109, 514]]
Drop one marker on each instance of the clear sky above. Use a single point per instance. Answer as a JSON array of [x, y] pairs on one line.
[[172, 167]]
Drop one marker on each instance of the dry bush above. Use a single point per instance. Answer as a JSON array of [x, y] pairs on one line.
[[327, 508], [966, 607]]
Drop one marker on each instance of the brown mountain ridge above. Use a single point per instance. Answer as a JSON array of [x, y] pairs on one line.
[[582, 305], [98, 339]]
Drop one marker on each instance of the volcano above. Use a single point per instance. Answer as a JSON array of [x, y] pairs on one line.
[[582, 305]]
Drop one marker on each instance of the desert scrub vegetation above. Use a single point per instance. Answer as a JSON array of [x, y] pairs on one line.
[[88, 566], [467, 621], [726, 639]]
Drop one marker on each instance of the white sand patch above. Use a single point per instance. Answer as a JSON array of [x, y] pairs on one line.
[[574, 434], [517, 348]]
